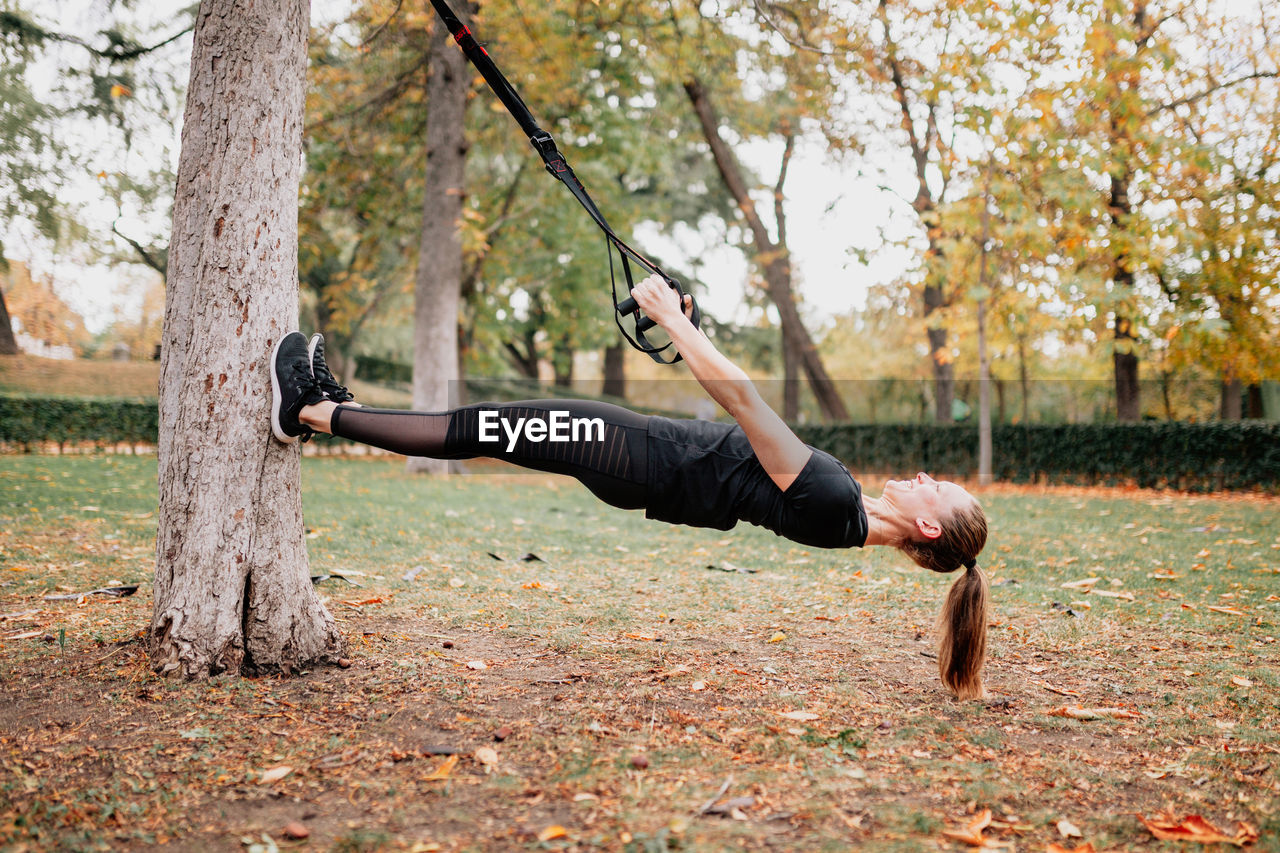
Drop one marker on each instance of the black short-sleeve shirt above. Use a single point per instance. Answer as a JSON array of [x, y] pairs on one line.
[[705, 474]]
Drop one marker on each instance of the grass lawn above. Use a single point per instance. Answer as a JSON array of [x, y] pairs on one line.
[[626, 685]]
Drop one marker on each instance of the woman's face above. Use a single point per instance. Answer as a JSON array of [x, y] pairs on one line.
[[923, 499]]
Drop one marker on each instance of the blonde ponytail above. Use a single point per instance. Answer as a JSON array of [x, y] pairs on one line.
[[962, 625], [962, 634]]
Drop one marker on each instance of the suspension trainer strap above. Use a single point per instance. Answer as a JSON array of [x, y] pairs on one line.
[[545, 145]]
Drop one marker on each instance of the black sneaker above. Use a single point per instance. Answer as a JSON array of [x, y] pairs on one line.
[[324, 377], [292, 388]]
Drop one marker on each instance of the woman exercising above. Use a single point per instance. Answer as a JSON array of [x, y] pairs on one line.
[[693, 472]]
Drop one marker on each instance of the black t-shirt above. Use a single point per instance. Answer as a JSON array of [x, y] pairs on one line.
[[705, 474]]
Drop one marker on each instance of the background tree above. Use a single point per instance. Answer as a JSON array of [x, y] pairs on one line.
[[1147, 69], [232, 587], [114, 102]]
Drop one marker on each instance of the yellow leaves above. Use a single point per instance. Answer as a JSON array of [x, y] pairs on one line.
[[1197, 829], [778, 637], [1230, 611], [553, 832], [119, 91]]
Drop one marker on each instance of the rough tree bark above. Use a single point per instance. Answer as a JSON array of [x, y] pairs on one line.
[[232, 586], [439, 279], [8, 343], [775, 259]]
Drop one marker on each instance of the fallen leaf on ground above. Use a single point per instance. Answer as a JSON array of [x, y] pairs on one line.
[[799, 716], [1195, 828], [1230, 611], [1106, 593], [477, 664], [1069, 830], [777, 638], [487, 756], [1084, 583], [1241, 682], [552, 832], [442, 772], [1075, 712], [1087, 847], [972, 833], [275, 774], [295, 830]]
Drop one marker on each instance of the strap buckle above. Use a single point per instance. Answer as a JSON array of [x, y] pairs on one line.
[[545, 145]]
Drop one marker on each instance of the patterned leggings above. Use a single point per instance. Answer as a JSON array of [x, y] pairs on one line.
[[602, 445]]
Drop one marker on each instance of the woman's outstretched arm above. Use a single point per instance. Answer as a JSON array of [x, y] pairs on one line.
[[781, 453]]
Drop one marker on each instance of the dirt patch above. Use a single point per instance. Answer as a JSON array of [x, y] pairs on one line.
[[618, 744]]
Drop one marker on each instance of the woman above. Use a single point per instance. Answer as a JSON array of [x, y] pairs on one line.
[[691, 472]]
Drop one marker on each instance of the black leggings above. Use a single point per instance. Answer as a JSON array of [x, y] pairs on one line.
[[605, 447]]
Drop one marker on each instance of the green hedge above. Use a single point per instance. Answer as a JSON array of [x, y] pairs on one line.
[[1195, 457], [27, 422]]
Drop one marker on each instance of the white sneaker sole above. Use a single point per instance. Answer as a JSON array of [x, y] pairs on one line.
[[277, 398]]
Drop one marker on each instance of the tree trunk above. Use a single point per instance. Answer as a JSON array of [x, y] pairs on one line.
[[1125, 361], [232, 587], [772, 255], [1232, 398], [562, 363], [984, 398], [1024, 379], [791, 360], [8, 343], [525, 361], [944, 376], [439, 279], [1253, 406], [615, 371], [925, 206]]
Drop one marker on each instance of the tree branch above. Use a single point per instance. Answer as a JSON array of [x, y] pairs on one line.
[[798, 45], [778, 212], [120, 50], [160, 265], [1217, 87], [919, 153], [385, 24], [726, 163]]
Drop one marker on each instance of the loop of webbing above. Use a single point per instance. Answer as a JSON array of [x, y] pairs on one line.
[[558, 168]]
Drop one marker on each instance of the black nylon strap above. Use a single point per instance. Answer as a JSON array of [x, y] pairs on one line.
[[556, 165]]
